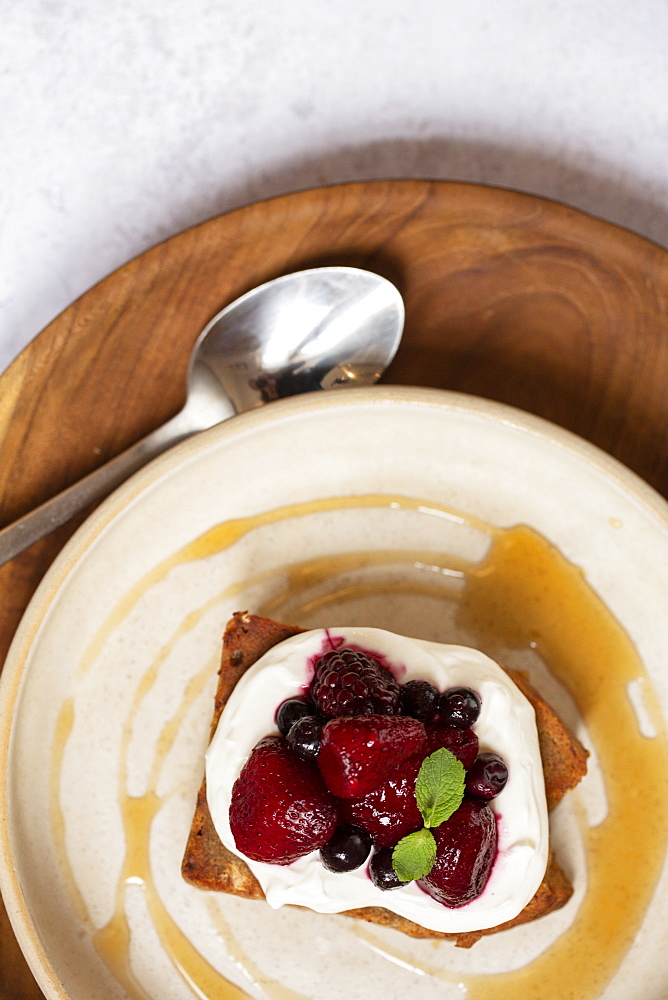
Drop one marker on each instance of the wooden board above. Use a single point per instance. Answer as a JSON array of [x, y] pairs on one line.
[[508, 296]]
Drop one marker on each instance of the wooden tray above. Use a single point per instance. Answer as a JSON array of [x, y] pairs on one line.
[[508, 296]]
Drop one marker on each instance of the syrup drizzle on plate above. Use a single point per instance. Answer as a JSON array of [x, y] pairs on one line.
[[522, 595]]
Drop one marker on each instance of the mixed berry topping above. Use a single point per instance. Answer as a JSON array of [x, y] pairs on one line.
[[459, 707], [389, 811], [348, 849], [463, 743], [305, 737], [281, 809], [366, 769], [350, 682], [381, 871], [487, 776], [419, 699], [465, 853], [360, 752], [290, 710]]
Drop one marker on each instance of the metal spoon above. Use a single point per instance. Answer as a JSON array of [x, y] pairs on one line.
[[323, 328]]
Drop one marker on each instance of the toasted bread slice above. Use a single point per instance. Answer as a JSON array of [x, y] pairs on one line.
[[209, 865]]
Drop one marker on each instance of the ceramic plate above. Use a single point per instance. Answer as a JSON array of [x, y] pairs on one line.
[[431, 514]]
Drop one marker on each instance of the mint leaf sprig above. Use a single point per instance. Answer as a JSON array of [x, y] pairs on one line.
[[414, 855], [439, 791]]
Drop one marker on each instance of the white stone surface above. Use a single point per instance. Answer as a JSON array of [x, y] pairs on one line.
[[125, 121]]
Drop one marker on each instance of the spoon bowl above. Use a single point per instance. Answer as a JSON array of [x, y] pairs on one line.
[[322, 328]]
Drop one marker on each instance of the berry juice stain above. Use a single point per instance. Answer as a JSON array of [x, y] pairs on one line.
[[522, 596]]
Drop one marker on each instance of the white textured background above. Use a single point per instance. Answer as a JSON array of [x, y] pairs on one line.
[[125, 121]]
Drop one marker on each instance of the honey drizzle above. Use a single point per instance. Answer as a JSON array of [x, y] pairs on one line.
[[586, 956], [625, 852], [138, 813], [64, 726], [304, 576], [224, 535], [405, 961], [271, 988], [525, 593], [112, 941]]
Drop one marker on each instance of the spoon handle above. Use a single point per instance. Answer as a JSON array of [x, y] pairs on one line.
[[96, 485]]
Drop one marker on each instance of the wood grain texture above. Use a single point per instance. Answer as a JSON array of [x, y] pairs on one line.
[[508, 296]]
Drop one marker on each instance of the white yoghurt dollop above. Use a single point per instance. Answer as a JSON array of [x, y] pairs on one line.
[[506, 725]]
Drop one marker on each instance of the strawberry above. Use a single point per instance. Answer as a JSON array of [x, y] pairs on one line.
[[463, 743], [465, 853], [359, 753], [390, 811], [280, 808]]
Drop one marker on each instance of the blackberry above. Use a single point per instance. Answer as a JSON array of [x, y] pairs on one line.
[[350, 682]]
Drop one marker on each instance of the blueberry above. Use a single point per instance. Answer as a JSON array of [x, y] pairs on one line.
[[290, 710], [419, 699], [305, 735], [381, 871], [487, 776], [348, 849], [459, 707]]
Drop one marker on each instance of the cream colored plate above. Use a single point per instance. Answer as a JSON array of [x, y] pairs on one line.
[[110, 679]]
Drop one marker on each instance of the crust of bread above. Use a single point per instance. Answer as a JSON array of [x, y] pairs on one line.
[[209, 865]]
